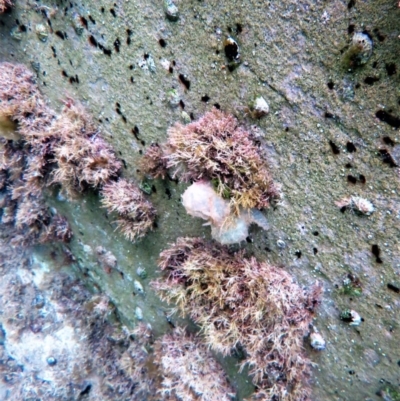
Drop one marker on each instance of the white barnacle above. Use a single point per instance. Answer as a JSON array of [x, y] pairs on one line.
[[362, 205], [261, 107], [363, 43], [357, 204]]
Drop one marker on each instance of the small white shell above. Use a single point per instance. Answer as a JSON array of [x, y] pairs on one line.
[[281, 244], [185, 117], [173, 98], [16, 33], [171, 10], [261, 107], [138, 287], [141, 272], [138, 313], [317, 341], [42, 32]]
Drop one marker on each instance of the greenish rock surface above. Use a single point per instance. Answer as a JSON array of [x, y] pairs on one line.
[[326, 137]]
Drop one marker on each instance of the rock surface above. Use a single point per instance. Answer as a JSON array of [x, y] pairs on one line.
[[331, 133]]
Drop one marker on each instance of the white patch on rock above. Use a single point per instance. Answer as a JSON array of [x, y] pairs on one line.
[[357, 204], [317, 341], [200, 200]]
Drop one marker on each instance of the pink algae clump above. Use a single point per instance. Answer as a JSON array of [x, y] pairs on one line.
[[136, 215], [4, 4], [83, 157], [216, 149], [189, 371], [39, 148], [231, 180], [26, 148], [176, 367], [238, 301], [153, 162]]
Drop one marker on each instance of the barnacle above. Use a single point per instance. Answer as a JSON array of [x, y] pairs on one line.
[[359, 51], [358, 204]]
